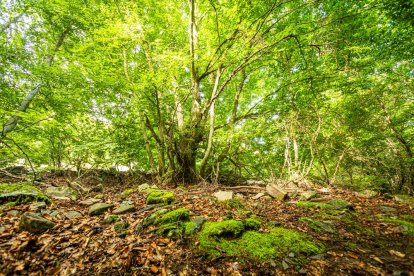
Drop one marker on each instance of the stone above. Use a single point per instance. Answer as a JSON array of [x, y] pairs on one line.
[[110, 219], [143, 187], [305, 196], [367, 194], [223, 195], [73, 214], [20, 193], [121, 228], [62, 193], [13, 213], [99, 208], [37, 206], [157, 197], [127, 192], [55, 213], [35, 224], [195, 225], [276, 192], [124, 208], [257, 196], [90, 201]]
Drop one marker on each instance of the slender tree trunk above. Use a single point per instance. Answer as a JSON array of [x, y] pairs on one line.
[[14, 120]]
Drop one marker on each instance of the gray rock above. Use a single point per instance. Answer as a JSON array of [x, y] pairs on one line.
[[90, 201], [35, 224], [276, 192], [340, 204], [307, 195], [124, 208], [143, 187], [387, 209], [73, 214], [62, 193], [20, 193], [195, 225], [99, 208], [37, 206], [223, 195], [55, 213]]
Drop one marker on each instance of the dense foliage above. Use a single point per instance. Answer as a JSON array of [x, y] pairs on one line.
[[215, 90]]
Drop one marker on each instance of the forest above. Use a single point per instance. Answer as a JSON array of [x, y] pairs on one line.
[[258, 119]]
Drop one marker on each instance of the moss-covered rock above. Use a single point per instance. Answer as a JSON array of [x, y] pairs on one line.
[[194, 225], [252, 224], [19, 193], [120, 228], [317, 225], [234, 203], [111, 219], [171, 224], [99, 208], [62, 193], [231, 238], [181, 214], [126, 193], [35, 224], [340, 204], [407, 227], [157, 197]]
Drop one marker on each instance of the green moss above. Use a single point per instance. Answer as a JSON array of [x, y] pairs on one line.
[[252, 224], [340, 204], [120, 226], [21, 193], [314, 205], [157, 197], [181, 214], [405, 199], [111, 219], [406, 226], [229, 237], [190, 228], [234, 203], [127, 192]]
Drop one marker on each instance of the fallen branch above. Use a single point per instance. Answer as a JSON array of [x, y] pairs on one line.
[[6, 173]]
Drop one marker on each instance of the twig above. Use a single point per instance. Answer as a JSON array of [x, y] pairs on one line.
[[11, 175]]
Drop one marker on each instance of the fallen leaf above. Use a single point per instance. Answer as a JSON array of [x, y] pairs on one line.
[[397, 253]]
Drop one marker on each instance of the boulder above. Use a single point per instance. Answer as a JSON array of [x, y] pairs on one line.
[[73, 214], [20, 193], [223, 195], [127, 192], [99, 208], [90, 201], [124, 208], [157, 197], [62, 193], [276, 192], [305, 196], [110, 219], [35, 224]]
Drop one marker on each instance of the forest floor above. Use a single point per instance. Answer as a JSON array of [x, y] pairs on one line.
[[366, 240]]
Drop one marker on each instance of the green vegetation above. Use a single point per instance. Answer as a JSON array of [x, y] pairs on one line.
[[233, 239], [234, 203], [157, 197], [407, 227], [213, 91], [317, 225], [111, 219], [181, 214], [20, 193], [127, 192]]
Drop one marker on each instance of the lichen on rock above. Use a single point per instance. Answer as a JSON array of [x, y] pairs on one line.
[[19, 193]]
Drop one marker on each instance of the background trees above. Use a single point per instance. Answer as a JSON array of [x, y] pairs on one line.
[[213, 90]]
